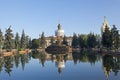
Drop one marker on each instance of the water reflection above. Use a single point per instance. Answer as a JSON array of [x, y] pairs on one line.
[[86, 56], [109, 63], [8, 62]]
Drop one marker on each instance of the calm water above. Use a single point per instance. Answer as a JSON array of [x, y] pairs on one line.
[[75, 66]]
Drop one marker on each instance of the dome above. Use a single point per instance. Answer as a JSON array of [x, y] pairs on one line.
[[59, 31]]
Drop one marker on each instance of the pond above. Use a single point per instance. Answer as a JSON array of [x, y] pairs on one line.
[[84, 65]]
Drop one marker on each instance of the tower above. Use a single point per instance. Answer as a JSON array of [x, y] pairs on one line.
[[105, 24], [59, 32]]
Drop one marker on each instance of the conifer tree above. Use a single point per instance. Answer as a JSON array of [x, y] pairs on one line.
[[1, 39], [8, 44], [106, 38], [75, 42], [23, 40], [115, 37], [17, 41], [91, 40], [42, 40]]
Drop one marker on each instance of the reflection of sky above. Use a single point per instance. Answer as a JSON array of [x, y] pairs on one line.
[[35, 71]]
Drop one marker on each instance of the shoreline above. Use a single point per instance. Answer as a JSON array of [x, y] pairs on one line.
[[12, 53]]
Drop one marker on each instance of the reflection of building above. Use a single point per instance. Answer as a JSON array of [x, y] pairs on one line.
[[58, 33], [106, 72], [60, 64]]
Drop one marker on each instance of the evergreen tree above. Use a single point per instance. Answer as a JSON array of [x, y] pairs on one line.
[[82, 40], [106, 38], [115, 37], [42, 40], [91, 40], [23, 40], [8, 44], [30, 43], [65, 41], [1, 39], [27, 41], [75, 42], [17, 41]]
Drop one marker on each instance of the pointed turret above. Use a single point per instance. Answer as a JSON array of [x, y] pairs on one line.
[[105, 24]]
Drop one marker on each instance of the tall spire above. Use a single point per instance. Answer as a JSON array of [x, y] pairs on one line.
[[105, 21], [105, 24]]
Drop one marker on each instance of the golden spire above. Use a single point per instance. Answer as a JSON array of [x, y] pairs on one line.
[[105, 24]]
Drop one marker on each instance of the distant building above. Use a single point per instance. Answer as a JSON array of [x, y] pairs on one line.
[[58, 33]]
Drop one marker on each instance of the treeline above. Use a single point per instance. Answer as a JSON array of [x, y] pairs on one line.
[[85, 40], [10, 41], [109, 39]]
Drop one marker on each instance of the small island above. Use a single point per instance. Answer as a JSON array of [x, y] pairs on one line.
[[59, 46]]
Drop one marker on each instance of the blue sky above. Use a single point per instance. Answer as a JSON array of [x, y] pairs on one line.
[[37, 16]]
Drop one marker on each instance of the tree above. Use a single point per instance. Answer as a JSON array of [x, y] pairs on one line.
[[27, 41], [23, 40], [91, 40], [17, 41], [115, 37], [75, 42], [30, 43], [65, 41], [42, 40], [1, 39], [35, 44], [106, 38], [8, 44], [82, 40]]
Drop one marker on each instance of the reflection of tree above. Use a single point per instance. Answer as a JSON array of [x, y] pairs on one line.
[[75, 56], [107, 65], [8, 64], [84, 56], [17, 60], [41, 56], [116, 66], [1, 63], [24, 60]]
